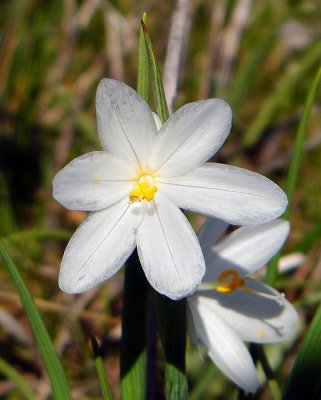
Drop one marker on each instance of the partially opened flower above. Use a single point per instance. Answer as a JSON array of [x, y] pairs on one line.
[[135, 187], [229, 307]]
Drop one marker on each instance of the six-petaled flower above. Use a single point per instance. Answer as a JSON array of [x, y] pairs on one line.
[[134, 190]]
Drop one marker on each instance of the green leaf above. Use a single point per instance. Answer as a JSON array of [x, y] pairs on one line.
[[240, 86], [15, 377], [48, 353], [143, 68], [158, 89], [102, 376], [299, 142], [305, 379], [285, 85], [295, 167], [204, 382]]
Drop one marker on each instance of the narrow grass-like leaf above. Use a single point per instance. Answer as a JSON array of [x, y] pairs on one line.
[[204, 382], [294, 167], [102, 376], [158, 89], [305, 379], [133, 361], [48, 353], [299, 142], [240, 85], [285, 86], [15, 377], [143, 68]]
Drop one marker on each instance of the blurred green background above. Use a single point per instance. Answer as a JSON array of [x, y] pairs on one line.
[[261, 56]]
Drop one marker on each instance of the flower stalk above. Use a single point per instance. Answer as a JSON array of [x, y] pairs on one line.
[[133, 361], [172, 314]]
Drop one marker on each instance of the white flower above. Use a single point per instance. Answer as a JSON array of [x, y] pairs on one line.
[[135, 187], [229, 307]]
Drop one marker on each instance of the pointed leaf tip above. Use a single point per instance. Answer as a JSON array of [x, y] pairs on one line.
[[144, 26]]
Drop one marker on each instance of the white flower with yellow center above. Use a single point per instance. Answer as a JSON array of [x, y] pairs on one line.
[[137, 185], [229, 307]]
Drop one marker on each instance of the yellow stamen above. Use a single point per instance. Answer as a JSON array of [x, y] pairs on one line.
[[229, 281], [145, 190], [227, 285], [97, 180]]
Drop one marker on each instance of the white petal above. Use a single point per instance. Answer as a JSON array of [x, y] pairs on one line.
[[157, 120], [98, 248], [126, 125], [253, 317], [168, 249], [190, 137], [247, 249], [223, 345], [208, 234], [237, 196], [92, 182], [291, 261]]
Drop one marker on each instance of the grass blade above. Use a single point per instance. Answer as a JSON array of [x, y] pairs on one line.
[[48, 353], [294, 167], [102, 376], [305, 379], [299, 142], [290, 78], [158, 89], [18, 379], [143, 68]]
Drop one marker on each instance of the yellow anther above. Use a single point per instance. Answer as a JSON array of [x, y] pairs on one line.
[[97, 180], [144, 190], [229, 281]]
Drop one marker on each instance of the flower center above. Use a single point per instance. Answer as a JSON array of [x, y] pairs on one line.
[[229, 281], [145, 190]]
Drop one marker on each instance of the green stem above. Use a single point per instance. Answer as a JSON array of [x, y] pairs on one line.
[[133, 360], [269, 373], [172, 315]]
